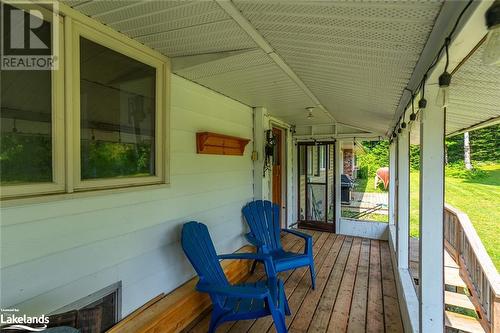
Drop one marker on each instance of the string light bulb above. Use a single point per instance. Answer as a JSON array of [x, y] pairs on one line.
[[444, 90], [491, 53], [422, 103], [413, 115], [444, 81]]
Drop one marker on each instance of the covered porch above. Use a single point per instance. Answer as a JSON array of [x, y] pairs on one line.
[[164, 112], [355, 290]]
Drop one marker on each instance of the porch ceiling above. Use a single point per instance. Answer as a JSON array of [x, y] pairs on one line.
[[355, 58], [474, 94]]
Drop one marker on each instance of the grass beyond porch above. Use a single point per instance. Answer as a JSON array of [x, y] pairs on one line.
[[479, 198]]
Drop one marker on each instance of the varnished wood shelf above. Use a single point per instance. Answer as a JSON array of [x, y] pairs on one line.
[[219, 144]]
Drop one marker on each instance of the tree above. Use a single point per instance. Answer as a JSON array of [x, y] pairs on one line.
[[467, 162]]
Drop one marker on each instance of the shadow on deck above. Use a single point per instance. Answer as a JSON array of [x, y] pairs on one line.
[[355, 290]]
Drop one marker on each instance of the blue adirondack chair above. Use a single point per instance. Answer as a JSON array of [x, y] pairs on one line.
[[263, 217], [233, 302]]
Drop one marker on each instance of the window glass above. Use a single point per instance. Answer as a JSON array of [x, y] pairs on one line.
[[26, 122], [364, 181], [117, 106]]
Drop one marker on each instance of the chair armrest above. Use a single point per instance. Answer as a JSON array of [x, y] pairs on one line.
[[266, 258], [233, 291], [307, 238], [297, 233], [257, 243]]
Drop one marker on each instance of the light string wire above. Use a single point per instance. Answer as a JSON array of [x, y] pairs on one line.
[[444, 47]]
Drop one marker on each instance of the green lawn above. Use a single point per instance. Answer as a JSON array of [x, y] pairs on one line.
[[366, 185], [478, 198]]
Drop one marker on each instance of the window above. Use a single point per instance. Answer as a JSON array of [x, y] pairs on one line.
[[117, 114], [31, 151], [26, 145], [97, 122]]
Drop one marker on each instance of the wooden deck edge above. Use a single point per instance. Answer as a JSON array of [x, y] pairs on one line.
[[475, 297], [175, 311]]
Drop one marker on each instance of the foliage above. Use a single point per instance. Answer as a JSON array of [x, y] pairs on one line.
[[458, 170], [414, 157], [28, 158], [484, 144], [111, 159], [478, 197], [376, 155], [25, 158]]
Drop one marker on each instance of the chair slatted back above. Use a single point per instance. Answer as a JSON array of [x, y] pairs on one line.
[[263, 217], [200, 250]]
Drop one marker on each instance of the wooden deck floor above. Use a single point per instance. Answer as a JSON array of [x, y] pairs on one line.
[[355, 290]]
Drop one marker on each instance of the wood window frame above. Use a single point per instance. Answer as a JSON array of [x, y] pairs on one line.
[[81, 30], [66, 113]]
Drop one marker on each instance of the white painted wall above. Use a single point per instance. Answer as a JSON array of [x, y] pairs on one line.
[[366, 229], [55, 253]]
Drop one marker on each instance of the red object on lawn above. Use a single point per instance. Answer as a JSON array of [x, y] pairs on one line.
[[383, 175]]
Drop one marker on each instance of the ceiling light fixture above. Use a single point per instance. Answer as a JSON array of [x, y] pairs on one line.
[[491, 53], [310, 114]]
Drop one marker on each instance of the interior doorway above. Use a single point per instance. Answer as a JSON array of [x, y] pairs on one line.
[[316, 197]]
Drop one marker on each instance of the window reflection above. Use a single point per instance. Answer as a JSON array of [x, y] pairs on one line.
[[117, 104]]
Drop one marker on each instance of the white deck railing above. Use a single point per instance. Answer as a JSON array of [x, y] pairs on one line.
[[476, 267]]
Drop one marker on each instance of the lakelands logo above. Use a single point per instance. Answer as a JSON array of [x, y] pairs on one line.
[[29, 35], [11, 319]]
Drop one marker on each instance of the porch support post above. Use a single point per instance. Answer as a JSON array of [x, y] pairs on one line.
[[392, 183], [338, 196], [432, 133], [403, 198]]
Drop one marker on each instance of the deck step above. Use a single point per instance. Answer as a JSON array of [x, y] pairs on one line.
[[452, 277], [459, 300], [462, 323]]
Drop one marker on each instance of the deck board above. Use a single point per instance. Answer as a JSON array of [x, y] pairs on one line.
[[355, 290], [306, 310], [392, 317], [340, 314], [375, 304], [357, 316], [323, 312]]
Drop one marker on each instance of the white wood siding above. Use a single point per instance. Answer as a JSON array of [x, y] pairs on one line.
[[55, 253]]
